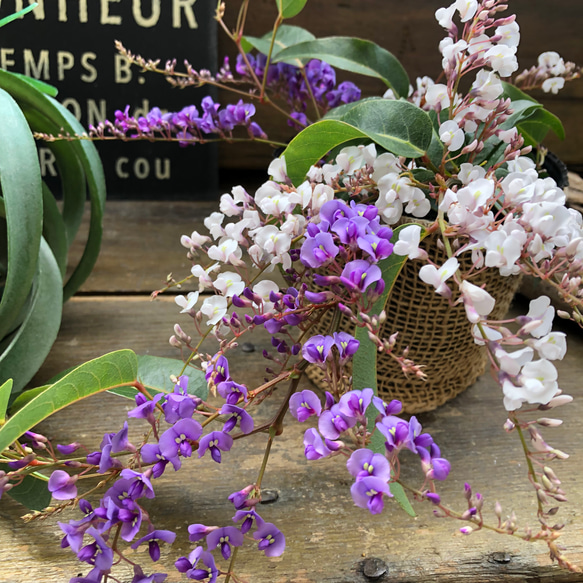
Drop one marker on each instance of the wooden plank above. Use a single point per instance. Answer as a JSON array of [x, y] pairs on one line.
[[328, 538], [410, 32], [141, 244]]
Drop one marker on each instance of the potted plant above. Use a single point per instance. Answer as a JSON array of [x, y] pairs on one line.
[[330, 222]]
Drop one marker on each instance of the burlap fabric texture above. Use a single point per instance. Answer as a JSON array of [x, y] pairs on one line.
[[438, 336]]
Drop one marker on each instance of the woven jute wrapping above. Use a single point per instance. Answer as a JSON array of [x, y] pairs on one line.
[[438, 336]]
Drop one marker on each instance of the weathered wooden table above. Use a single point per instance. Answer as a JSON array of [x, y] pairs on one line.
[[328, 538]]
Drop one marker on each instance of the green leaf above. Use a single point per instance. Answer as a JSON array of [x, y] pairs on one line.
[[32, 493], [535, 128], [38, 84], [290, 8], [20, 182], [364, 362], [354, 55], [18, 14], [101, 374], [54, 230], [5, 390], [516, 94], [25, 397], [398, 126], [286, 36], [32, 341], [313, 143], [154, 373], [521, 109], [70, 171]]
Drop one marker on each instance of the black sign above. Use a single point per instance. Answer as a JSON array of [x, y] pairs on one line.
[[70, 44]]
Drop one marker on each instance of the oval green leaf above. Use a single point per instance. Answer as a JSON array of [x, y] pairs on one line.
[[355, 55], [313, 143], [101, 374], [398, 126], [31, 492], [154, 373], [290, 8], [286, 36]]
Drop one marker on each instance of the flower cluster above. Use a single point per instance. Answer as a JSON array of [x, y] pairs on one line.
[[348, 419]]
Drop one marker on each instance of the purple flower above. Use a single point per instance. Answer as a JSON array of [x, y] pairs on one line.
[[346, 92], [271, 540], [359, 274], [139, 483], [119, 441], [232, 391], [349, 230], [216, 441], [368, 493], [304, 404], [152, 539], [237, 414], [355, 403], [317, 349], [347, 345], [314, 446], [97, 553], [199, 565], [248, 516], [393, 408], [334, 422], [176, 440], [396, 432], [140, 577], [179, 404], [225, 537], [151, 454], [68, 449], [62, 486], [376, 247], [416, 438], [363, 463], [241, 498], [145, 407], [197, 532], [318, 251], [217, 371]]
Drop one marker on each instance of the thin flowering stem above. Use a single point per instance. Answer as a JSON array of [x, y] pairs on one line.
[[276, 26], [231, 565], [272, 434]]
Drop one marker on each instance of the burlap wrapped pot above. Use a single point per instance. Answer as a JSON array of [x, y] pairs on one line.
[[438, 336]]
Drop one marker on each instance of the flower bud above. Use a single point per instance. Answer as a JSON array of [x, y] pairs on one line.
[[547, 422]]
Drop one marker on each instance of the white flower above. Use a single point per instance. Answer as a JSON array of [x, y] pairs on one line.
[[389, 94], [196, 240], [479, 44], [502, 59], [491, 334], [503, 249], [418, 205], [302, 194], [227, 251], [537, 384], [229, 284], [277, 170], [321, 195], [541, 311], [476, 194], [553, 85], [444, 16], [437, 94], [204, 279], [468, 173], [553, 346], [477, 301], [437, 277], [187, 303], [213, 223], [553, 62], [510, 34], [466, 8], [487, 85], [386, 163], [408, 243], [512, 362], [264, 289], [214, 308], [451, 135], [507, 136]]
